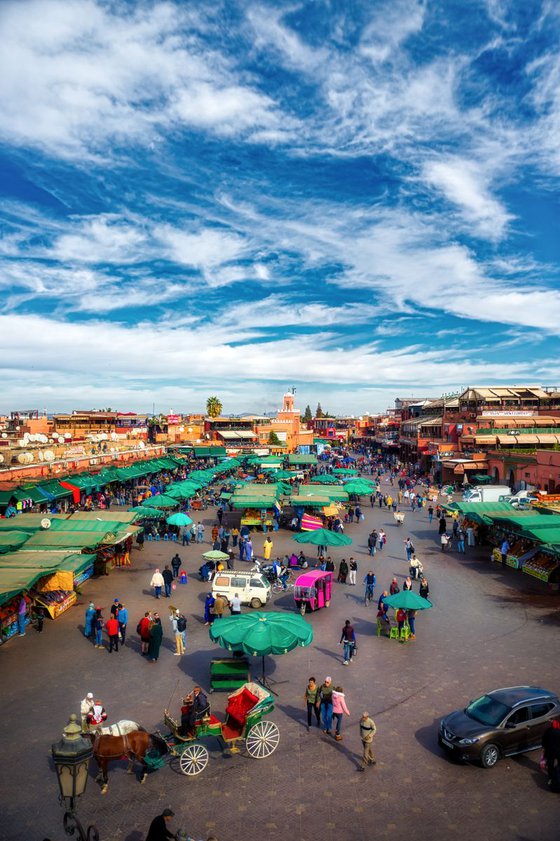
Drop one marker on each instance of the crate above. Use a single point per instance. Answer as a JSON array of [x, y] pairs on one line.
[[228, 674]]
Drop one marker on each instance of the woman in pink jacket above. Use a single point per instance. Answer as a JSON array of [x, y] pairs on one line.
[[339, 709]]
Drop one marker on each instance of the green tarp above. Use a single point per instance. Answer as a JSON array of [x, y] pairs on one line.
[[10, 540], [15, 580], [93, 525], [53, 490], [256, 502], [29, 522], [302, 459], [209, 452], [5, 498], [311, 501], [330, 491], [480, 478]]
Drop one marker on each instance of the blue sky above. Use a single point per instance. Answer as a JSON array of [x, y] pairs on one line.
[[359, 199]]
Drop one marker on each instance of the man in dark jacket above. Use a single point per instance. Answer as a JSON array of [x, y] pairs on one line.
[[175, 564], [167, 580], [551, 754], [158, 830]]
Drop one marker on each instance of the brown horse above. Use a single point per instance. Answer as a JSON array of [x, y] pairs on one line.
[[132, 746]]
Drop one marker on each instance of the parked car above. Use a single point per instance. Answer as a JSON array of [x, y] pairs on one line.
[[501, 723]]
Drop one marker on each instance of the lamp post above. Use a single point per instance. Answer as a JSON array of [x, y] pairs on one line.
[[71, 756]]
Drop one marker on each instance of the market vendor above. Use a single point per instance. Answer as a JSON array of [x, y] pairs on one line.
[[195, 707]]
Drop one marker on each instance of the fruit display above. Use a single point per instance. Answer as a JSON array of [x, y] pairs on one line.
[[541, 565]]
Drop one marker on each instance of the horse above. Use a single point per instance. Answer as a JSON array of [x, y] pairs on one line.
[[132, 746]]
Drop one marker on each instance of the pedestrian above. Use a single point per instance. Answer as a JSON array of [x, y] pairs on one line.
[[424, 588], [348, 637], [471, 540], [157, 583], [352, 571], [40, 616], [339, 709], [85, 708], [140, 540], [234, 536], [114, 610], [249, 549], [342, 571], [394, 588], [143, 631], [167, 576], [312, 699], [123, 621], [235, 605], [325, 695], [551, 754], [411, 616], [200, 532], [504, 549], [372, 542], [209, 609], [460, 541], [358, 513], [156, 636], [158, 830], [369, 582], [89, 630], [409, 549], [267, 548], [112, 628], [401, 619], [367, 732], [98, 627], [442, 528], [430, 513], [444, 541], [407, 583], [175, 565], [220, 603], [215, 532], [178, 624], [382, 539]]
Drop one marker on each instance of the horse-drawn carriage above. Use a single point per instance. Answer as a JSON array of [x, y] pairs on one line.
[[245, 712]]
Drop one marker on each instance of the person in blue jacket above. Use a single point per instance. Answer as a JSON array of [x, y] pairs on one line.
[[88, 624]]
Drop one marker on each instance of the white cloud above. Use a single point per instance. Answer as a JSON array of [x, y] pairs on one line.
[[465, 185], [391, 24], [205, 249], [100, 239]]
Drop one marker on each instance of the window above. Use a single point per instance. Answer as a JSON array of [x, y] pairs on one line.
[[240, 583], [256, 582], [519, 716], [221, 581], [538, 710]]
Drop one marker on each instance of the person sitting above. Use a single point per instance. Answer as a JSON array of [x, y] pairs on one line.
[[302, 560], [415, 567], [383, 623], [195, 708]]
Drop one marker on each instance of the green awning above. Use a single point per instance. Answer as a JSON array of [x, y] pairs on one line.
[[49, 539], [310, 501], [5, 498], [209, 452], [480, 479], [84, 481], [330, 491], [247, 502], [11, 540], [302, 459], [107, 475], [15, 580], [53, 490], [93, 525]]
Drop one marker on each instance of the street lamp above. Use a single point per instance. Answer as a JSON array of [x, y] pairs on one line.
[[71, 756]]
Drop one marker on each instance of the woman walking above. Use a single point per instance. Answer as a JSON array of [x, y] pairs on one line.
[[311, 698], [156, 636], [339, 709], [157, 583]]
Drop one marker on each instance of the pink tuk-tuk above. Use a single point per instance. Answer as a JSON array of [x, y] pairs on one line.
[[313, 590]]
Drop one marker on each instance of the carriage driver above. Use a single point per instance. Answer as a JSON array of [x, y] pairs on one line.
[[96, 716], [85, 708], [195, 707]]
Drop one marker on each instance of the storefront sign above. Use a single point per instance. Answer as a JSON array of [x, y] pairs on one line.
[[510, 413]]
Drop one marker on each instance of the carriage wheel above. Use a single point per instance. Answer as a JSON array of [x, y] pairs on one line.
[[193, 760], [262, 739]]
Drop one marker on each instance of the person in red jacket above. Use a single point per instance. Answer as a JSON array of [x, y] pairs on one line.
[[112, 626], [143, 630], [401, 619]]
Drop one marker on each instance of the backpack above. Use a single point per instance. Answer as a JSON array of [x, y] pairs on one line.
[[181, 623]]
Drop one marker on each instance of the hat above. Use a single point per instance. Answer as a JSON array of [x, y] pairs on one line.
[[167, 813], [115, 600], [90, 696]]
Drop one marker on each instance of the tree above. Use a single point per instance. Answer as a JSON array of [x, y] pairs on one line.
[[307, 416], [274, 439], [319, 412], [213, 407]]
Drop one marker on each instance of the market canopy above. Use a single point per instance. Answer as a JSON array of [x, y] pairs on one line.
[[325, 479], [302, 458], [331, 492], [481, 479], [147, 513], [14, 580], [323, 537], [160, 501], [479, 511], [10, 540], [359, 487], [344, 471], [309, 500], [179, 519]]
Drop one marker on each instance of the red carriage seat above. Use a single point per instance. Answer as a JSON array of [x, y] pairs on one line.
[[236, 713]]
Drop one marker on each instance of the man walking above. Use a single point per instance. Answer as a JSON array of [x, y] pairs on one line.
[[348, 637], [122, 619], [352, 570], [200, 532], [167, 580], [372, 542], [175, 564], [367, 732], [325, 694]]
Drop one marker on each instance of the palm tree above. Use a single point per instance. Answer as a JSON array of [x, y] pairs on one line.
[[213, 407]]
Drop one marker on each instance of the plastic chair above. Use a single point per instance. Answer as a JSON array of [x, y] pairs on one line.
[[394, 633], [166, 537], [149, 536]]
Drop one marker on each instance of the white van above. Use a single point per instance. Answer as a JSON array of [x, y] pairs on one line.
[[486, 493], [251, 587]]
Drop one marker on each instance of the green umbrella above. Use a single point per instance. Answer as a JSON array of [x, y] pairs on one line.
[[259, 634], [284, 474], [323, 537], [325, 479], [179, 519], [147, 513], [359, 487], [215, 555], [344, 471], [160, 501], [408, 600]]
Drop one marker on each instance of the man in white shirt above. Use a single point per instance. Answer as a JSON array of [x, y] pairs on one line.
[[235, 605]]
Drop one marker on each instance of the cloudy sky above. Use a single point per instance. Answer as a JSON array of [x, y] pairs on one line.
[[358, 198]]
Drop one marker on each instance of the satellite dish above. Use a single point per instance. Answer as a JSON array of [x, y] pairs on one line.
[[45, 523]]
